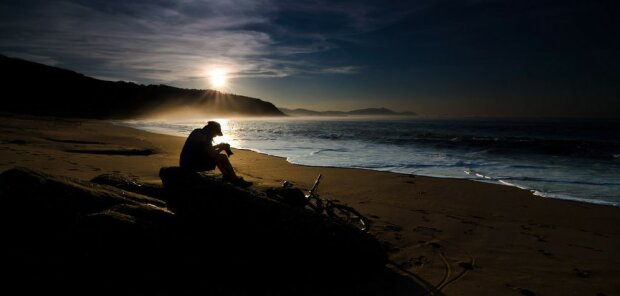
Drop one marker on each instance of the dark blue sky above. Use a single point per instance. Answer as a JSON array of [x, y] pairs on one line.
[[455, 58]]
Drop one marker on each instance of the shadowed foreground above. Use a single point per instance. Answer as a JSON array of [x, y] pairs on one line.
[[198, 235]]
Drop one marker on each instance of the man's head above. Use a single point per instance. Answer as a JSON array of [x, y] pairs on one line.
[[214, 128]]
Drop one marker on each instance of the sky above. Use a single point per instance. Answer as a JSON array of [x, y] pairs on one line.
[[488, 58]]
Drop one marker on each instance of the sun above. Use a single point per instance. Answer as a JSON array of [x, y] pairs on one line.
[[218, 78]]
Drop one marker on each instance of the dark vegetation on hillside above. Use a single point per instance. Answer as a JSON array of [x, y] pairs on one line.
[[36, 89]]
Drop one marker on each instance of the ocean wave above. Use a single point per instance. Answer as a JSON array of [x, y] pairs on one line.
[[563, 181], [479, 175], [495, 145], [282, 149], [600, 149], [598, 201], [595, 200], [458, 164], [482, 137], [524, 166], [329, 150], [512, 184]]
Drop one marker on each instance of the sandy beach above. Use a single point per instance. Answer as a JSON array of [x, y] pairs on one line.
[[461, 236]]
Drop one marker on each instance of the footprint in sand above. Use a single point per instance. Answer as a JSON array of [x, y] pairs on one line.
[[417, 262], [582, 273], [546, 253], [586, 247], [522, 291], [526, 292], [466, 265], [542, 225], [391, 248], [427, 231], [392, 227], [434, 244], [540, 238]]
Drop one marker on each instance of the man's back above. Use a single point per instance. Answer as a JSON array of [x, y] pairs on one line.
[[195, 150]]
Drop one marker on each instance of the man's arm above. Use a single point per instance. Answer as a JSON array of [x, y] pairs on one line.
[[212, 151], [221, 147], [207, 146]]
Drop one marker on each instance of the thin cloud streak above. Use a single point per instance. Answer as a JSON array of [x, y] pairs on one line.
[[341, 70]]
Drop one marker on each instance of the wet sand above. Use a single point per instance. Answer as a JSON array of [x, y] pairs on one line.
[[464, 237]]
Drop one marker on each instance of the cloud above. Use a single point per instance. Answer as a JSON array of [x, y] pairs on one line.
[[33, 57], [178, 41], [341, 70]]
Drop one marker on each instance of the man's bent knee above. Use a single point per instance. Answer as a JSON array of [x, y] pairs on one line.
[[221, 157]]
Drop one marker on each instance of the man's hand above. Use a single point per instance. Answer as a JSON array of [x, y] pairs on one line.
[[227, 149], [221, 146], [224, 147]]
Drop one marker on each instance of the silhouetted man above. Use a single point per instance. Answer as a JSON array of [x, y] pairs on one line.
[[199, 153]]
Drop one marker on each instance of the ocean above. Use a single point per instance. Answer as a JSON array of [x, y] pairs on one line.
[[566, 159]]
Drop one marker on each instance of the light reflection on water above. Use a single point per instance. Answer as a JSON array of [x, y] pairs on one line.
[[229, 135]]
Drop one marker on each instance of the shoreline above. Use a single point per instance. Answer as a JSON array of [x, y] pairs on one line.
[[482, 239], [534, 192], [482, 179]]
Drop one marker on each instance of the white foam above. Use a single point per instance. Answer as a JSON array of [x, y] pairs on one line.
[[512, 184], [572, 198]]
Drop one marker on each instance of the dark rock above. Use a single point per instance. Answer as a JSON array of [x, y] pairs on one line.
[[293, 241], [128, 183], [48, 216], [209, 238]]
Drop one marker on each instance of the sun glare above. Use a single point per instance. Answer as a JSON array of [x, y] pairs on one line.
[[218, 78]]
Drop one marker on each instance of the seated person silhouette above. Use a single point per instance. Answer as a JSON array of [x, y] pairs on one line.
[[199, 154]]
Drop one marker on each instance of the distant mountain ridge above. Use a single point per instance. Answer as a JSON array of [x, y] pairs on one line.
[[359, 112], [37, 89]]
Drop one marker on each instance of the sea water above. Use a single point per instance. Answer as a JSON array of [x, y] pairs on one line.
[[566, 159]]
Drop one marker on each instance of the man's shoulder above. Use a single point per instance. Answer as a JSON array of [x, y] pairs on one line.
[[200, 134], [197, 131]]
